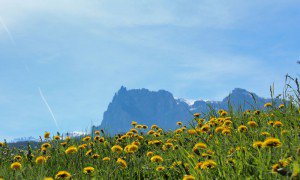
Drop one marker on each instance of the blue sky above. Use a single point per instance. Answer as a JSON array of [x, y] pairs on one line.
[[79, 53]]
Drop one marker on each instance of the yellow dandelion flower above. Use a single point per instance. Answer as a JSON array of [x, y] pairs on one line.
[[71, 150], [151, 132], [271, 123], [188, 177], [133, 123], [227, 123], [224, 113], [47, 135], [281, 106], [88, 170], [209, 164], [46, 145], [106, 159], [68, 138], [277, 124], [257, 112], [268, 104], [154, 126], [18, 158], [95, 156], [160, 168], [197, 115], [63, 175], [275, 168], [48, 178], [82, 146], [283, 132], [200, 145], [226, 132], [122, 162], [139, 126], [116, 148], [265, 134], [40, 160], [219, 129], [192, 131], [205, 128], [97, 132], [56, 137], [16, 166], [157, 158], [64, 144], [257, 144], [272, 142], [252, 124], [242, 128], [150, 153], [87, 138], [130, 149]]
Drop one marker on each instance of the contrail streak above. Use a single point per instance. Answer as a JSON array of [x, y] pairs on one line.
[[49, 108], [7, 31]]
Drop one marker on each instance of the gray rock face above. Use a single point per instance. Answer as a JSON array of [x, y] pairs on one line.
[[161, 108]]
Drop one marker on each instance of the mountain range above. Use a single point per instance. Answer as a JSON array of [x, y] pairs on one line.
[[163, 109]]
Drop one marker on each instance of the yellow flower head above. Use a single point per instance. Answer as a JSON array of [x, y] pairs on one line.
[[192, 131], [63, 175], [268, 104], [46, 145], [88, 170], [179, 123], [87, 138], [157, 158], [47, 135], [18, 158], [257, 144], [95, 156], [106, 159], [188, 177], [265, 134], [277, 124], [116, 148], [16, 166], [71, 150], [56, 137], [281, 106], [122, 163], [252, 124], [200, 145], [242, 128], [272, 142], [133, 123], [226, 132], [40, 160], [209, 164], [219, 129], [160, 168], [130, 149], [97, 132], [197, 115], [154, 126], [150, 153]]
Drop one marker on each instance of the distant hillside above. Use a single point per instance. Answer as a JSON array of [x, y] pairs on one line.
[[161, 108]]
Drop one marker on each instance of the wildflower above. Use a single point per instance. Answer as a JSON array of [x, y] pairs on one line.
[[160, 168], [133, 123], [205, 128], [257, 112], [56, 137], [106, 159], [150, 153], [71, 150], [130, 149], [252, 124], [48, 178], [88, 170], [179, 123], [145, 127], [272, 142], [265, 134], [18, 158], [188, 177], [157, 158], [150, 132], [154, 126], [47, 135], [82, 146], [242, 128], [63, 175], [224, 113], [281, 106], [68, 138], [219, 129], [87, 138], [46, 145], [227, 123], [63, 144], [277, 124], [97, 132], [139, 126], [116, 148], [226, 132], [192, 132], [16, 166], [257, 144], [122, 163], [209, 164], [200, 145], [197, 115], [275, 167], [40, 160], [270, 123], [268, 104]]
